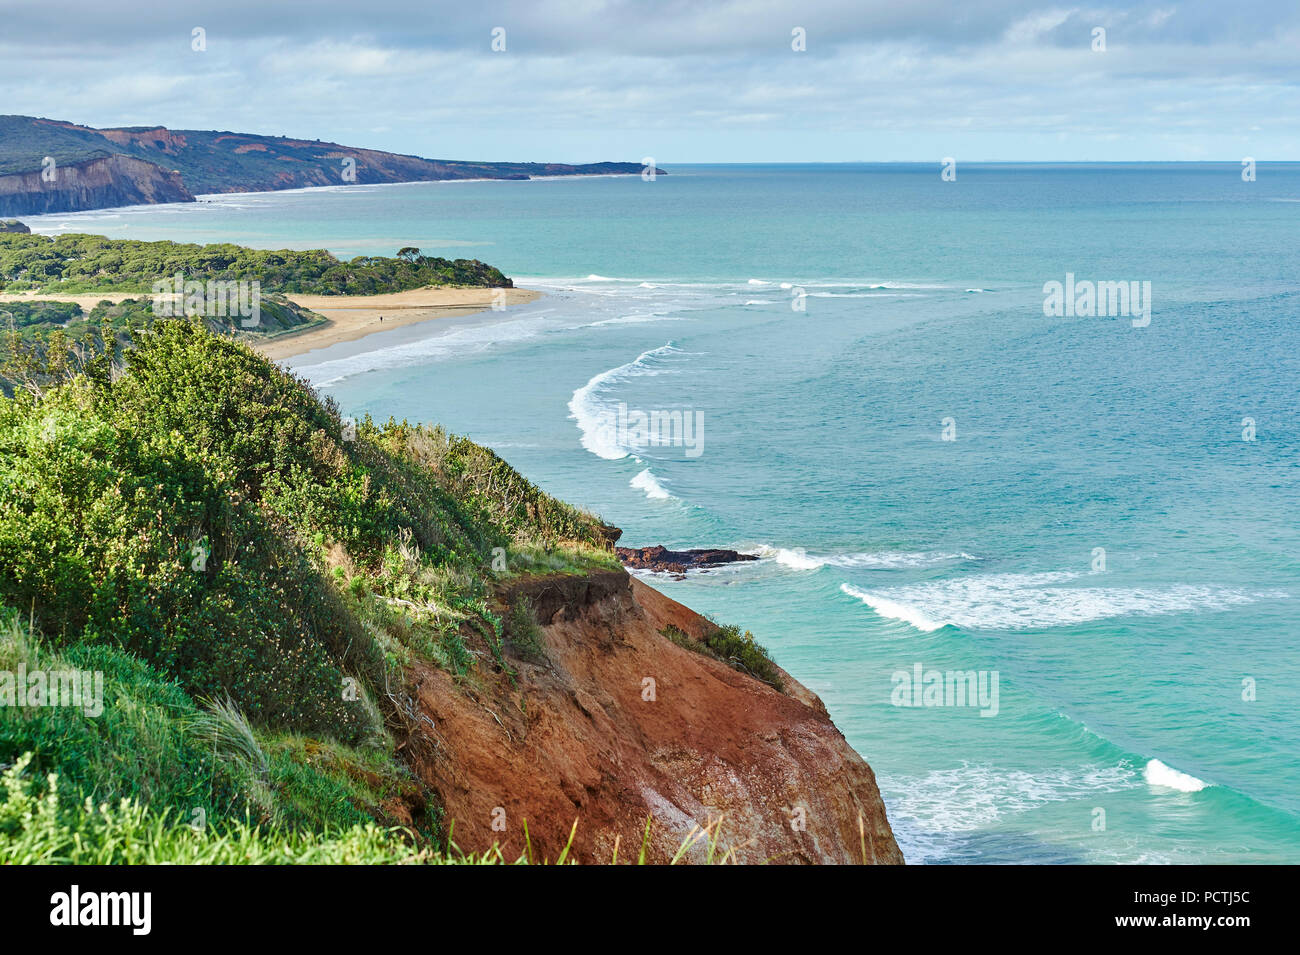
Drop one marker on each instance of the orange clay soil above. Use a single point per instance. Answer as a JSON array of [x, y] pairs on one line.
[[575, 738]]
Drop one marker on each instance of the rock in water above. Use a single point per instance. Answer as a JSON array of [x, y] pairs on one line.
[[662, 560]]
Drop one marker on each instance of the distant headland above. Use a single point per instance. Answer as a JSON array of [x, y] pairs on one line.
[[51, 166]]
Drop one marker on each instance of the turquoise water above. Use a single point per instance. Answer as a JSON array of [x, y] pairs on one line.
[[822, 448]]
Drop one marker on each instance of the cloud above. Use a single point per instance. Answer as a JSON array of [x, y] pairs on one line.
[[587, 79]]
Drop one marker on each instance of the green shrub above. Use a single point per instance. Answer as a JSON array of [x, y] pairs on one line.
[[524, 633], [727, 644]]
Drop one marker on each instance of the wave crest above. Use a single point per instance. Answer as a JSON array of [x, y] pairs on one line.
[[1035, 601], [596, 419]]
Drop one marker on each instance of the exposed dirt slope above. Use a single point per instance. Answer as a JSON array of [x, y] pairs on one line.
[[91, 184], [578, 738]]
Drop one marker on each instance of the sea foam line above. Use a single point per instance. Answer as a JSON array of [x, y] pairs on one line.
[[595, 419], [797, 558], [929, 810], [1035, 601]]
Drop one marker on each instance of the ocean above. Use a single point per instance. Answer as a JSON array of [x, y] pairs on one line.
[[1087, 517]]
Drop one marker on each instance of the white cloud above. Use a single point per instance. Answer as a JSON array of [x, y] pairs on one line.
[[710, 81]]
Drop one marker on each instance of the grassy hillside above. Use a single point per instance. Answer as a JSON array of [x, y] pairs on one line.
[[252, 576], [27, 142]]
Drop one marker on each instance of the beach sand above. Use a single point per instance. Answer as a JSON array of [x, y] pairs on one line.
[[356, 316], [349, 316], [86, 300]]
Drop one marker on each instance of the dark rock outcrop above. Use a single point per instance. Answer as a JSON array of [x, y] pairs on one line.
[[13, 225], [662, 560]]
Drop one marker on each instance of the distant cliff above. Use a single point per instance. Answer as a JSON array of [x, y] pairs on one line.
[[52, 166], [91, 184]]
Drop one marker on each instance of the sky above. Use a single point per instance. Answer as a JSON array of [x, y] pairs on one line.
[[679, 81]]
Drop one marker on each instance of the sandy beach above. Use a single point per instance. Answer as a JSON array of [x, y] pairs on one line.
[[350, 317], [356, 316]]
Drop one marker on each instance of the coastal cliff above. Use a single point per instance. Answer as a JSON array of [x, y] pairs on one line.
[[584, 737], [99, 168], [337, 640], [97, 183]]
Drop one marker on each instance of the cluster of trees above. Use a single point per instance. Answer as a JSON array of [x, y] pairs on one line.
[[35, 313], [76, 263]]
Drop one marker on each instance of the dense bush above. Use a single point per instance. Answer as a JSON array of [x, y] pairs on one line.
[[37, 312], [75, 262], [204, 530], [136, 537]]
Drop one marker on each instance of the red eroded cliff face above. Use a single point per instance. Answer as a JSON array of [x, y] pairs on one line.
[[160, 138], [582, 735], [92, 184]]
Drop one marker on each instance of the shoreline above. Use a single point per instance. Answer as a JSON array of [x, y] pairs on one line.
[[201, 197], [349, 318]]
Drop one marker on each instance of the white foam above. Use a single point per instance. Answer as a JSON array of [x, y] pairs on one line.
[[453, 342], [925, 809], [863, 295], [1157, 773], [1034, 601], [647, 482], [795, 557], [634, 320], [798, 558], [596, 420]]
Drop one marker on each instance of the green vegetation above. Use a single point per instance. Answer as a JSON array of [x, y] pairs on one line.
[[727, 644], [27, 142], [39, 826], [253, 577], [28, 314], [92, 263], [44, 342], [525, 634]]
